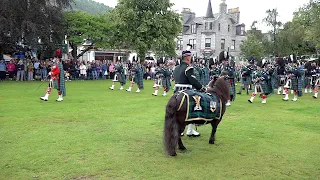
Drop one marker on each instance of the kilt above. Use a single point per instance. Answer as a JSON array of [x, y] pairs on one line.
[[294, 83], [246, 80], [166, 83], [232, 88], [206, 77], [121, 78], [297, 85], [274, 82], [262, 88], [307, 81], [60, 84], [138, 78]]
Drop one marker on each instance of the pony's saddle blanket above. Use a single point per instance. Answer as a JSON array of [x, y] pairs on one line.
[[201, 106]]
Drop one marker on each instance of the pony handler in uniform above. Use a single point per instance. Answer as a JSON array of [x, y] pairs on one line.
[[185, 79]]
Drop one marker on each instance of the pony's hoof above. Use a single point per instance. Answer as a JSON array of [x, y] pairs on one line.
[[183, 149], [175, 154], [211, 141]]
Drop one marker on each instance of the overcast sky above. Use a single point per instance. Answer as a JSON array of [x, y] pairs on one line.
[[250, 10]]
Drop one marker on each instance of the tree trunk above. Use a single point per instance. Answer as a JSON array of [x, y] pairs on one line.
[[141, 56], [84, 51], [74, 51]]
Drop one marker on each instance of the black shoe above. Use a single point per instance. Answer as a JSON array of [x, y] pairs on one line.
[[314, 97], [249, 101], [194, 135], [239, 93]]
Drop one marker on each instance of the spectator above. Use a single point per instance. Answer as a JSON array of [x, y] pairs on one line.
[[83, 71], [11, 68], [20, 71], [111, 71], [104, 70], [2, 70], [43, 71], [153, 72], [30, 67]]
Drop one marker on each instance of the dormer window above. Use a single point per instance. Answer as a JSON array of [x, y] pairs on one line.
[[242, 30], [228, 28], [219, 27], [208, 26], [211, 26], [193, 29]]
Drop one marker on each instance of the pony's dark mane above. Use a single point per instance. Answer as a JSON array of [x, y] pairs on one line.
[[220, 88]]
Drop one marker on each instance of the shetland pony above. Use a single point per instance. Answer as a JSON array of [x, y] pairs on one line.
[[177, 112]]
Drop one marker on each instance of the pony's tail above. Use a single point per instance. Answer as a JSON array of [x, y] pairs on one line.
[[171, 134]]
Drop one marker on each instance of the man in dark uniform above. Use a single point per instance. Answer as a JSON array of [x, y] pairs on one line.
[[183, 75], [185, 79]]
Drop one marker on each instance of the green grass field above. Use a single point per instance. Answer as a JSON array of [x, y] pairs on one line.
[[96, 133]]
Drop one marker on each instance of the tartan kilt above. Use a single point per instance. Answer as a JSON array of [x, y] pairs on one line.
[[121, 78], [274, 82], [264, 88], [246, 80], [307, 81], [139, 80], [294, 83], [166, 83], [232, 88], [60, 84]]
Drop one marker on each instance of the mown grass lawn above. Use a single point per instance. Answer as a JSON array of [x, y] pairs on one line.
[[96, 133]]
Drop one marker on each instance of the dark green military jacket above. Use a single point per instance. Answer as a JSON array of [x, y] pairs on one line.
[[183, 74]]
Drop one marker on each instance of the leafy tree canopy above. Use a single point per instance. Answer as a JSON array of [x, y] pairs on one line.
[[252, 47], [147, 25], [29, 21], [96, 29]]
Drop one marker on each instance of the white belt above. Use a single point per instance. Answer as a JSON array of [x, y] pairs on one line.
[[183, 85]]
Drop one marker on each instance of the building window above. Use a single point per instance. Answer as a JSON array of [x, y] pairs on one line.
[[242, 30], [211, 26], [219, 27], [193, 42], [206, 26], [207, 44], [223, 41], [180, 44], [228, 28], [233, 45], [193, 29]]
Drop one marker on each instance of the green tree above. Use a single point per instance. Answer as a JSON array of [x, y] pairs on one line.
[[309, 17], [271, 20], [81, 27], [291, 39], [27, 21], [252, 47], [147, 25]]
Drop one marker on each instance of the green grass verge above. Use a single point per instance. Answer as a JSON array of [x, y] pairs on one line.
[[97, 133]]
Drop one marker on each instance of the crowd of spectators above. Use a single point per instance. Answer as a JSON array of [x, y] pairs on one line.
[[33, 69]]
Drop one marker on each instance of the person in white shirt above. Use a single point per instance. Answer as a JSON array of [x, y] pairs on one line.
[[83, 71]]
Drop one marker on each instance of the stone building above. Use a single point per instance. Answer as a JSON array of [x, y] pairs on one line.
[[213, 33]]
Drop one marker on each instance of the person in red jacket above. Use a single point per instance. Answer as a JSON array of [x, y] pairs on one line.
[[57, 81]]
